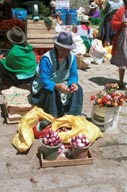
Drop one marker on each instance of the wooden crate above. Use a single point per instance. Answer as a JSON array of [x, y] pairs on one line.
[[11, 118], [61, 162], [38, 35]]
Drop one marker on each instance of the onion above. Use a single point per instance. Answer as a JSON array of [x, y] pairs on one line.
[[80, 136], [80, 144], [80, 141], [72, 88], [83, 140], [55, 133], [51, 138]]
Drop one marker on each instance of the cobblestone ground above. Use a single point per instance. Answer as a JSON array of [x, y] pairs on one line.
[[108, 171]]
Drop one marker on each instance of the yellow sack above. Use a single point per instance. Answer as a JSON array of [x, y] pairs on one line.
[[25, 136], [78, 124]]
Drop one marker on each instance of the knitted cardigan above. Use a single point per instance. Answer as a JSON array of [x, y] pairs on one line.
[[116, 24]]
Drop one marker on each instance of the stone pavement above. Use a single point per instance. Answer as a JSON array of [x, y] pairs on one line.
[[108, 173]]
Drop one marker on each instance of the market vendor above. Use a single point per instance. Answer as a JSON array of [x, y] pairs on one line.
[[55, 87], [94, 14], [19, 65]]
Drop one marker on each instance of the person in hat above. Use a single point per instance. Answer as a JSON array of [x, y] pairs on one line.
[[55, 86], [86, 32], [119, 48], [19, 65], [109, 8], [52, 7], [94, 13]]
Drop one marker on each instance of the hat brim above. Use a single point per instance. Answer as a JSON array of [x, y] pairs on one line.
[[73, 46], [93, 7], [9, 38]]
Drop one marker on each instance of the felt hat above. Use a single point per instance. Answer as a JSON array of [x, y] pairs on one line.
[[64, 39], [53, 3], [93, 5], [16, 35]]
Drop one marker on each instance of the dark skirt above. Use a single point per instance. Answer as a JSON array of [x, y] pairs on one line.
[[106, 32], [50, 102], [10, 78], [120, 58]]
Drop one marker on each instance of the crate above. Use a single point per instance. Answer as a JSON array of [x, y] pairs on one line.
[[14, 114], [11, 118], [15, 104], [38, 35], [61, 162]]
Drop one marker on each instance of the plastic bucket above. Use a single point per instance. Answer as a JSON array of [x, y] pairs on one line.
[[49, 153], [106, 117], [126, 91], [79, 153], [63, 15], [71, 17]]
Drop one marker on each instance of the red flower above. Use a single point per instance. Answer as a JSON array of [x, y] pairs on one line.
[[92, 97], [108, 97]]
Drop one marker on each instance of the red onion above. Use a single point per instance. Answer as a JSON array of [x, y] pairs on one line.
[[72, 88], [80, 141], [51, 138]]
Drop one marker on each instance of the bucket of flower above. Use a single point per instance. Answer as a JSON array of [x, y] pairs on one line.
[[106, 107]]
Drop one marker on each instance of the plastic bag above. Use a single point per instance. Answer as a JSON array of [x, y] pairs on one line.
[[25, 136], [78, 124], [97, 50]]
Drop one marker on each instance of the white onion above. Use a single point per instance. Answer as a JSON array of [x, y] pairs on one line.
[[80, 145], [80, 141], [83, 140], [55, 133]]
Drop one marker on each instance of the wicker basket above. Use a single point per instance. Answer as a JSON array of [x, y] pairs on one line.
[[80, 62]]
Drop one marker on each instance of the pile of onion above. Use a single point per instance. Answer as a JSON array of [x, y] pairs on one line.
[[51, 138], [80, 141]]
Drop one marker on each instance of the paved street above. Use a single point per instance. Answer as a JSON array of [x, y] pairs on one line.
[[108, 173]]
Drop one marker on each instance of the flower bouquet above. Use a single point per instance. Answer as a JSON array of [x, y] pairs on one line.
[[106, 106], [109, 97]]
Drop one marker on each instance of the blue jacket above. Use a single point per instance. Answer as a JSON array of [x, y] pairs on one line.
[[47, 74]]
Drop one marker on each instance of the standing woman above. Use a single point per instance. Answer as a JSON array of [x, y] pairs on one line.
[[55, 87], [119, 50], [108, 8]]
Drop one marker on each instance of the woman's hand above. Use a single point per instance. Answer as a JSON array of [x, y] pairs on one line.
[[61, 87], [73, 88]]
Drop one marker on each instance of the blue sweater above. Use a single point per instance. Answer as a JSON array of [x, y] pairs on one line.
[[47, 74]]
